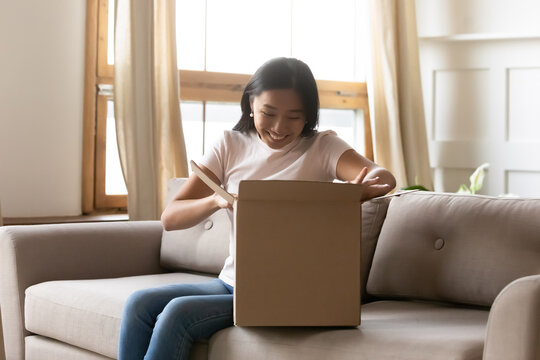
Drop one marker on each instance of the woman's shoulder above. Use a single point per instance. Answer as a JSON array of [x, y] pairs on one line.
[[324, 136], [328, 139], [232, 140]]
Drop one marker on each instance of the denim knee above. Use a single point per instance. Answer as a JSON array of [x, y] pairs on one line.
[[138, 303], [196, 315], [180, 310]]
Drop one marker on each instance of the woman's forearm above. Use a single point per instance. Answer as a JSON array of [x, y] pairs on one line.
[[182, 214]]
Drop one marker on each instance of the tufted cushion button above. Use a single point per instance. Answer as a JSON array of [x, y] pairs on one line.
[[208, 224], [439, 244]]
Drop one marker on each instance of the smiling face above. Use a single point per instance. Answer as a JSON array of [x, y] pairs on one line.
[[279, 116]]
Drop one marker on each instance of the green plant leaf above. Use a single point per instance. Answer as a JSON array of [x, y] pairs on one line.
[[415, 187], [463, 189], [477, 178]]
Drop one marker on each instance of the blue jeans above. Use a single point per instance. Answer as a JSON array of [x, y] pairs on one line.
[[162, 323]]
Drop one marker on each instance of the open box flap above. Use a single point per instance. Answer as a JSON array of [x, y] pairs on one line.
[[290, 190], [213, 185]]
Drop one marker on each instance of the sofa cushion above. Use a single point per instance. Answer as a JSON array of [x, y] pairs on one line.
[[87, 313], [203, 247], [390, 330], [42, 348], [373, 215], [457, 248]]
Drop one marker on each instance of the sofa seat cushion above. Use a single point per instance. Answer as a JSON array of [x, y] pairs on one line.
[[42, 348], [87, 313], [389, 330]]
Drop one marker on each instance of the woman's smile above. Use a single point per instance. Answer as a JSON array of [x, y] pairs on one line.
[[276, 137]]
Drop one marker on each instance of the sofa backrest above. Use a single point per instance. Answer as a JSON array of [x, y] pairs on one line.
[[456, 248], [204, 247]]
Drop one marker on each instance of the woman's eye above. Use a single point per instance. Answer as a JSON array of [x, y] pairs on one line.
[[266, 113]]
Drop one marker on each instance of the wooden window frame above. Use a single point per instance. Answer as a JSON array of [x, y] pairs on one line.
[[194, 86], [97, 71]]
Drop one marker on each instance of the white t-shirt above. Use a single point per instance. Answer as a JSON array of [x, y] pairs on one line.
[[239, 156]]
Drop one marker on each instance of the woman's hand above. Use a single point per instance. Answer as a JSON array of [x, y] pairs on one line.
[[372, 187], [221, 202], [356, 169]]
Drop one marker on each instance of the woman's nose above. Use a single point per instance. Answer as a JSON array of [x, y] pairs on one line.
[[280, 125]]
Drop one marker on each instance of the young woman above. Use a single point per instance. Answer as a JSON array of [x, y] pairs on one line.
[[275, 139]]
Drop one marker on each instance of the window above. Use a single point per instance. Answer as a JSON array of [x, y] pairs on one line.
[[215, 56], [111, 191]]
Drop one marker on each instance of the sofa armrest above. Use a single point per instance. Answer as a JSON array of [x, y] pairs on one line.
[[33, 254], [513, 329]]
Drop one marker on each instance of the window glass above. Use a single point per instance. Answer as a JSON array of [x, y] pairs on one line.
[[327, 35], [190, 28], [110, 33], [219, 117], [243, 34], [114, 179], [324, 37], [346, 123], [192, 125]]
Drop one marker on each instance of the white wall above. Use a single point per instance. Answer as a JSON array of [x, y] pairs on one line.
[[480, 64], [495, 17], [41, 102]]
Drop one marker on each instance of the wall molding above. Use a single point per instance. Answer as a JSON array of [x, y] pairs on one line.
[[480, 37]]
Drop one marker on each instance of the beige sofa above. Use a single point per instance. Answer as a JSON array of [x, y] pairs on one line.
[[444, 276]]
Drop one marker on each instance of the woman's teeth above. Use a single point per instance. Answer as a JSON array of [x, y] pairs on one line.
[[277, 137]]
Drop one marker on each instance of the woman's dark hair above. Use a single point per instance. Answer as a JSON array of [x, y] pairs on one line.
[[282, 73]]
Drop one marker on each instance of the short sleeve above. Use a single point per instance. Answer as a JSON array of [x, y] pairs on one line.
[[332, 147], [214, 158]]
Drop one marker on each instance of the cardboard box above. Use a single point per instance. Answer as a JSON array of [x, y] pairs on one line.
[[297, 254]]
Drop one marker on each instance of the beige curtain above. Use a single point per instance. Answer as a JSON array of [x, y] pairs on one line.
[[147, 110], [395, 93]]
